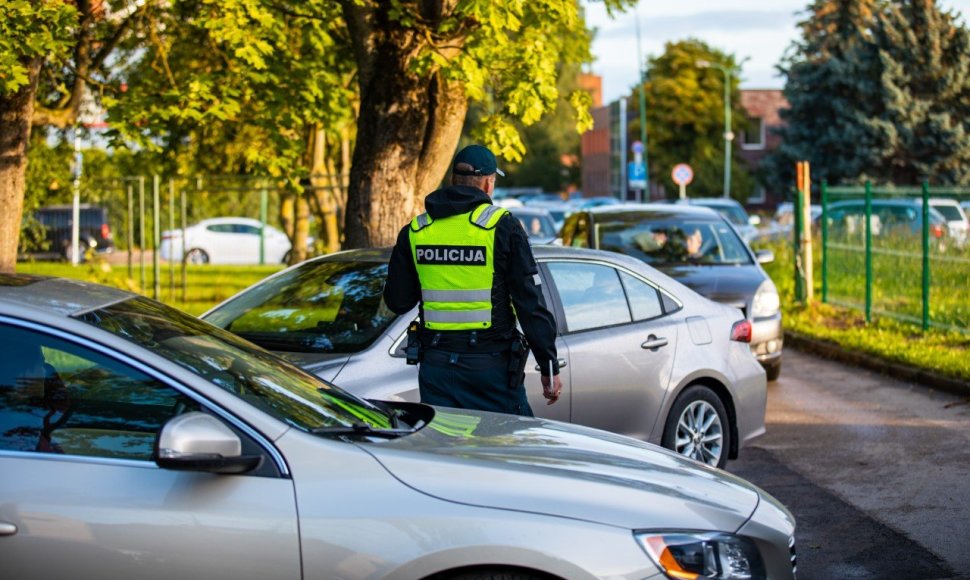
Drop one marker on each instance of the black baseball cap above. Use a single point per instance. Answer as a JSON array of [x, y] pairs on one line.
[[480, 158]]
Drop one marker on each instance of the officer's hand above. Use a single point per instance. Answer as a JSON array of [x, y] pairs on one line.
[[552, 391]]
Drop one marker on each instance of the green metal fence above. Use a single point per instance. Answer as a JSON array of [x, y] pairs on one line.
[[897, 252]]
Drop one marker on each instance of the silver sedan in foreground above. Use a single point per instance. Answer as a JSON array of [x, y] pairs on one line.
[[139, 442], [642, 355]]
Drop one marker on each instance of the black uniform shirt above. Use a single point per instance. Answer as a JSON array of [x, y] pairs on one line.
[[516, 283]]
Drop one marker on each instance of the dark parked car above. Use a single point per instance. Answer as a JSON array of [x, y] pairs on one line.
[[697, 247], [94, 231], [891, 218], [537, 222]]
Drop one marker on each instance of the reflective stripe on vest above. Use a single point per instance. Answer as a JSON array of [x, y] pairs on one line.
[[454, 260]]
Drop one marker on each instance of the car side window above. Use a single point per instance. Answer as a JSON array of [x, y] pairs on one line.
[[221, 228], [644, 298], [591, 295], [58, 397], [246, 229]]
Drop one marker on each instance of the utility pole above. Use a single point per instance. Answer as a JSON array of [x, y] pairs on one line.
[[728, 134]]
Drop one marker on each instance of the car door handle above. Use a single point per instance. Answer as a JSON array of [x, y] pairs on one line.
[[653, 343], [562, 364], [7, 529]]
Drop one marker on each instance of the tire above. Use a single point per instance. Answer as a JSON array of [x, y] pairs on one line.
[[196, 256], [699, 404], [773, 371]]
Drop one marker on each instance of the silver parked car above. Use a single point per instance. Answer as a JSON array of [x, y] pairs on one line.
[[139, 442], [642, 355]]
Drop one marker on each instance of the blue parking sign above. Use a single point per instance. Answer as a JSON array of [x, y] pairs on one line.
[[636, 172]]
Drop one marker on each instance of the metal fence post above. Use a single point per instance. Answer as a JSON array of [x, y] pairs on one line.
[[141, 230], [263, 210], [926, 255], [131, 228], [182, 237], [868, 251], [171, 242], [156, 267], [825, 241]]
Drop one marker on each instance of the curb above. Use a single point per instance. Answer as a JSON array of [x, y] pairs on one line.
[[833, 351]]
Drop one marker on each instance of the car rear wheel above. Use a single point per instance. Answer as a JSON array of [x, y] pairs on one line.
[[698, 427], [491, 574], [196, 256]]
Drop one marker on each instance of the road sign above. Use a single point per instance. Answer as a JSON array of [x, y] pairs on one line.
[[637, 147], [682, 174], [636, 172]]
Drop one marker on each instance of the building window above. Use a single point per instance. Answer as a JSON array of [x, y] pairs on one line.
[[753, 136]]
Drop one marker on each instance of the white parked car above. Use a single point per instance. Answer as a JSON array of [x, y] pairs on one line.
[[957, 223], [226, 240]]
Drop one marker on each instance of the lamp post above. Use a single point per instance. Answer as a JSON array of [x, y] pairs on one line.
[[728, 135]]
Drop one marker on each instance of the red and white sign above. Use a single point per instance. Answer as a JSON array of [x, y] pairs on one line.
[[682, 174]]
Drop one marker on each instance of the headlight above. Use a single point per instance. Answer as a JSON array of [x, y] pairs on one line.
[[690, 555], [765, 301]]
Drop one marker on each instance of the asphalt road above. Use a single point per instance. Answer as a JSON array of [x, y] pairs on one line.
[[875, 470]]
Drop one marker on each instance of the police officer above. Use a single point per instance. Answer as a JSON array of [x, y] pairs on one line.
[[469, 264]]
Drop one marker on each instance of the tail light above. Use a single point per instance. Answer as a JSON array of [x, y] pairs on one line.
[[741, 331], [936, 230], [106, 231]]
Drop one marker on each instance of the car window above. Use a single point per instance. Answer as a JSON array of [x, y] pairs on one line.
[[576, 231], [644, 298], [323, 306], [246, 229], [221, 228], [950, 212], [58, 397], [591, 295]]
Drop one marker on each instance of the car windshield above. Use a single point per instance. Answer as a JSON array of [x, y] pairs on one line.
[[252, 374], [671, 242], [321, 307]]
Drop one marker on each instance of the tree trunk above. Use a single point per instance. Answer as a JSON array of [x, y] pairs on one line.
[[16, 112], [407, 131]]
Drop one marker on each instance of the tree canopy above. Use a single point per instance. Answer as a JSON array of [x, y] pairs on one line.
[[685, 118]]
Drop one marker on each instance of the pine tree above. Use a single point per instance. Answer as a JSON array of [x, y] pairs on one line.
[[827, 90], [923, 95]]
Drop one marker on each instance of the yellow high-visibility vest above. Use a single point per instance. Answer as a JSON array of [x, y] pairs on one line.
[[454, 257]]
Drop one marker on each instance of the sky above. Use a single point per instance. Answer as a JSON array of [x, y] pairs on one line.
[[758, 29]]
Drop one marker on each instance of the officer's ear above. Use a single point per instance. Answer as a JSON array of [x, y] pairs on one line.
[[489, 184]]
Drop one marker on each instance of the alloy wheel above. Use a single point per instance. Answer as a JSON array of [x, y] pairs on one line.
[[700, 434]]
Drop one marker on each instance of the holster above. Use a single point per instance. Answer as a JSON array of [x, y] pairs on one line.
[[412, 351], [518, 357]]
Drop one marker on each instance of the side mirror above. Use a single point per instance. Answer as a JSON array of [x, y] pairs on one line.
[[200, 442], [754, 220], [765, 256]]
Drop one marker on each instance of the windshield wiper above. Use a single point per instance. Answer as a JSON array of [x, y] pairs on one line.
[[361, 429]]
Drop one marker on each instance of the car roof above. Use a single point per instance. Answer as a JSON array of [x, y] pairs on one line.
[[658, 209], [56, 295], [711, 201], [230, 220]]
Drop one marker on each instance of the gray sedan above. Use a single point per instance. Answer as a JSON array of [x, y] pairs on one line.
[[642, 355], [139, 442]]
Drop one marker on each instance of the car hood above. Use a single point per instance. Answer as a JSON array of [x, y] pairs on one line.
[[732, 285], [548, 467]]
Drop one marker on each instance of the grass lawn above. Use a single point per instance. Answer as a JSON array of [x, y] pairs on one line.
[[945, 351], [206, 285]]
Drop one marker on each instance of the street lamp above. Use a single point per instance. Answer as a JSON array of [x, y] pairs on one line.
[[728, 135]]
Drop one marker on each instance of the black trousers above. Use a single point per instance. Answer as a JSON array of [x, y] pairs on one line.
[[477, 381]]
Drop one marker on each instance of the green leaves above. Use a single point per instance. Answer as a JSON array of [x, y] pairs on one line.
[[30, 30]]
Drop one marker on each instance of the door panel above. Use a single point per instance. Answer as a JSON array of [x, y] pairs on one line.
[[616, 383], [78, 518]]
